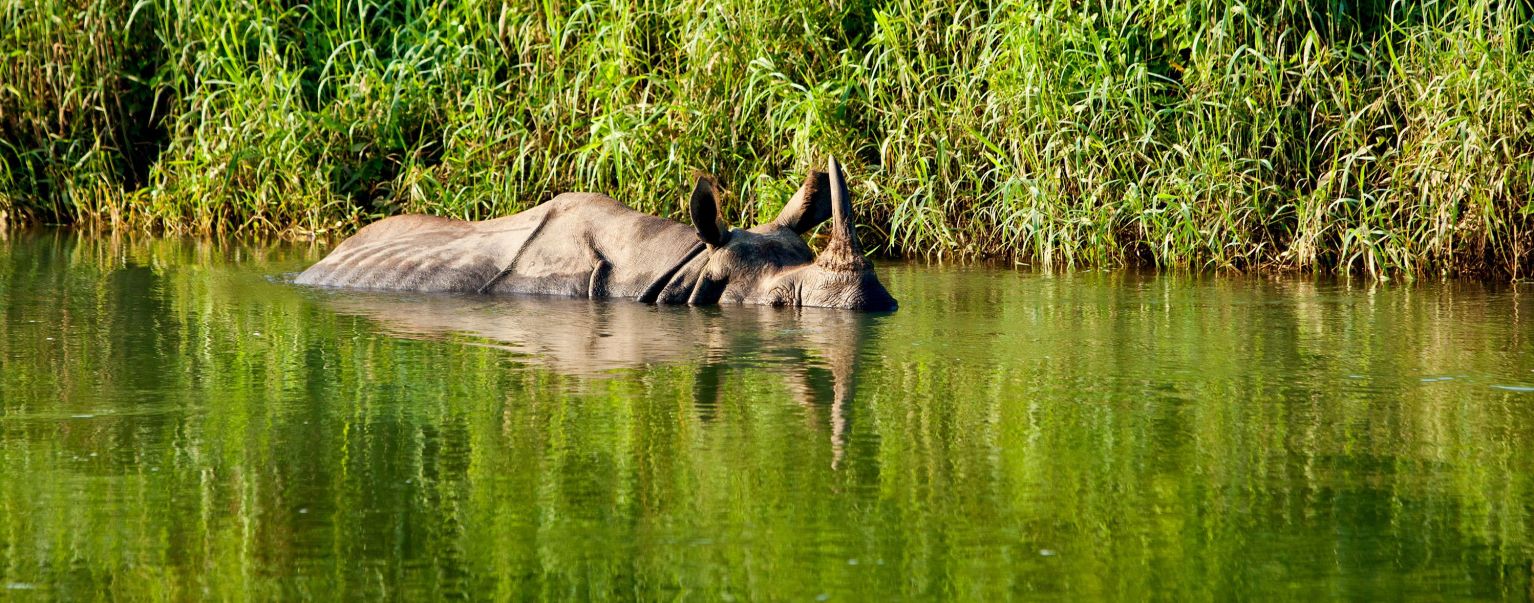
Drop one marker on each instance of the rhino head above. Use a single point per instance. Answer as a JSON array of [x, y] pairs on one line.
[[771, 264]]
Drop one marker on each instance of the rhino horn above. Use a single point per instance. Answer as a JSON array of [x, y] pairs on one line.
[[843, 253]]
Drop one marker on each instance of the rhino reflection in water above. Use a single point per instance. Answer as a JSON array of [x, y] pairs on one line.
[[588, 245], [815, 350]]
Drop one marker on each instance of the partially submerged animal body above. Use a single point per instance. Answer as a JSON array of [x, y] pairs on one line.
[[588, 245]]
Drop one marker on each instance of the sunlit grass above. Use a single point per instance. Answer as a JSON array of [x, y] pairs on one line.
[[1385, 139]]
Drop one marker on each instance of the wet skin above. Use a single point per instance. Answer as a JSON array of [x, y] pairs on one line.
[[589, 245]]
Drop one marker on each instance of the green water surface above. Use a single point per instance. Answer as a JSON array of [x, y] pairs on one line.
[[178, 422]]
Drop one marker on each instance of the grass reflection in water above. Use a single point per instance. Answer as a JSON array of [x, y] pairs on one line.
[[176, 421]]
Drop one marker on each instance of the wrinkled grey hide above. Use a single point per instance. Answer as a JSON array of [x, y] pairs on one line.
[[588, 245]]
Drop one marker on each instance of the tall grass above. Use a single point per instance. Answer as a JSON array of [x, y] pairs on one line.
[[1393, 139]]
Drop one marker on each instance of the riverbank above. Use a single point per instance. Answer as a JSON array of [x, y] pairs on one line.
[[1389, 141]]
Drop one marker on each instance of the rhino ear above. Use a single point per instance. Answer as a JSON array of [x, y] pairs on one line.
[[810, 206], [704, 209]]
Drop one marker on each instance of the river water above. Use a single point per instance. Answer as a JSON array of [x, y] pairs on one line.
[[177, 421]]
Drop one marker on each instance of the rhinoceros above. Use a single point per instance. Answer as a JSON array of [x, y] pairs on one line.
[[589, 245]]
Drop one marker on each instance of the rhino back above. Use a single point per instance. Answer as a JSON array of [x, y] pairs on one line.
[[577, 245], [590, 245], [422, 253]]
